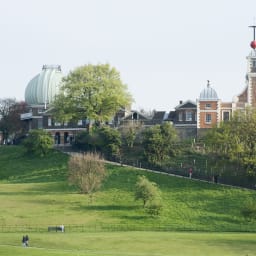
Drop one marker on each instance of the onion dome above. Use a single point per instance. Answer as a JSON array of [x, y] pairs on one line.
[[208, 94], [45, 86]]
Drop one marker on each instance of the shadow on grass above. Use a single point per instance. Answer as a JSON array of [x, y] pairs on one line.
[[108, 207], [40, 176], [40, 189], [137, 217]]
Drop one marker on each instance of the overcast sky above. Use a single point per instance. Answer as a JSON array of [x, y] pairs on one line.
[[165, 50]]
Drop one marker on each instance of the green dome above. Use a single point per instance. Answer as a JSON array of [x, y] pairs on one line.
[[43, 87]]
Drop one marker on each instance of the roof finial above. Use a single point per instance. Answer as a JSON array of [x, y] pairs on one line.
[[253, 43], [208, 83]]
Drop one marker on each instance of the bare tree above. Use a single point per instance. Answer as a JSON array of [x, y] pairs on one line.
[[10, 123], [87, 172]]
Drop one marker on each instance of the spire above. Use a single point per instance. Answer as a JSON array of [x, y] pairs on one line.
[[253, 43]]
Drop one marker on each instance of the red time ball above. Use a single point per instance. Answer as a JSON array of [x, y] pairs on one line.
[[253, 44]]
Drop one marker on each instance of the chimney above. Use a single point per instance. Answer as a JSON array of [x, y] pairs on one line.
[[181, 102]]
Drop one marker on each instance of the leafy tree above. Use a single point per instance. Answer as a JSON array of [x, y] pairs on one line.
[[10, 123], [87, 172], [92, 92], [86, 141], [129, 133], [104, 139], [236, 139], [146, 191], [109, 141], [159, 143], [38, 142]]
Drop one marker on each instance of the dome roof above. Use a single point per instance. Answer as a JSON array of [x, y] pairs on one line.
[[208, 93], [43, 87]]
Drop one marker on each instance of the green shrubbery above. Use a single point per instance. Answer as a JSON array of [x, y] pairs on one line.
[[38, 142], [150, 194]]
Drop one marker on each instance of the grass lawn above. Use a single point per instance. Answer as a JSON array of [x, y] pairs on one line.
[[34, 194], [131, 243]]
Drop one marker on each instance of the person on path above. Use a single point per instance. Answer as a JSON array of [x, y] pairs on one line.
[[23, 241], [26, 240], [190, 172]]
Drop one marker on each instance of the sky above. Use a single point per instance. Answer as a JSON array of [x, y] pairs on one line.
[[165, 50]]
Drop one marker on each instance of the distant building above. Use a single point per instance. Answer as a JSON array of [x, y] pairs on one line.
[[211, 110], [191, 119], [39, 93]]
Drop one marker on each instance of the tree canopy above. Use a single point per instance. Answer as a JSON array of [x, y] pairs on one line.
[[236, 139], [150, 195], [159, 143], [92, 92], [38, 142]]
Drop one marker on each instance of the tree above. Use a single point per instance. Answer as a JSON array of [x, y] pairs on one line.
[[92, 92], [87, 172], [86, 141], [10, 122], [109, 141], [104, 139], [159, 143], [38, 142], [236, 139], [145, 190]]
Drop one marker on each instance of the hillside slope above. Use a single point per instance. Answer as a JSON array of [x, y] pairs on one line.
[[34, 194]]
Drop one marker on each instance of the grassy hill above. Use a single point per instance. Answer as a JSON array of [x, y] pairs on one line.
[[34, 194]]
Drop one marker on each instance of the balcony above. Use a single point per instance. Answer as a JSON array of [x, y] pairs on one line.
[[26, 116]]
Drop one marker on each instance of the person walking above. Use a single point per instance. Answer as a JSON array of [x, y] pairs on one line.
[[26, 240], [23, 241], [190, 172]]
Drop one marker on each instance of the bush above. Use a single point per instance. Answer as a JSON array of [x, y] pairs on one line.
[[38, 142], [149, 193], [87, 172], [154, 207]]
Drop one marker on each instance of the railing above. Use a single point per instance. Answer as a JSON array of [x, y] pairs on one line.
[[102, 227]]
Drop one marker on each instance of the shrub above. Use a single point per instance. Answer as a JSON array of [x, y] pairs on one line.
[[149, 193], [154, 207], [87, 172], [38, 142]]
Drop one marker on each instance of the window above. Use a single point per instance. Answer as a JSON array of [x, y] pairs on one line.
[[208, 118], [208, 105], [188, 116], [180, 116], [40, 124], [49, 121], [80, 122], [225, 116], [57, 124]]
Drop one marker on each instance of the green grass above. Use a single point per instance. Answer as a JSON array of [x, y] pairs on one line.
[[130, 243], [35, 194]]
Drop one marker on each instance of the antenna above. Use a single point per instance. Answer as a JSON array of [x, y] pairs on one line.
[[254, 26], [253, 43]]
